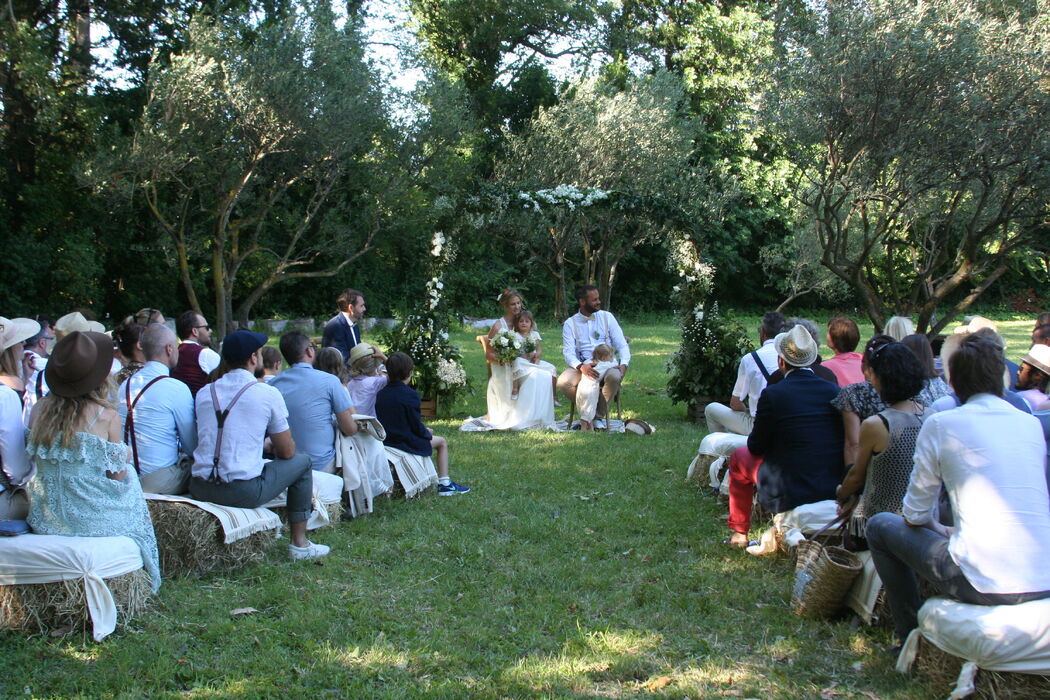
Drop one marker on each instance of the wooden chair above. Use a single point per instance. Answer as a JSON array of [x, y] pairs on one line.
[[616, 400]]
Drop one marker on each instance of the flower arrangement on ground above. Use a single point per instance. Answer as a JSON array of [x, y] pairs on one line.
[[423, 334], [507, 347]]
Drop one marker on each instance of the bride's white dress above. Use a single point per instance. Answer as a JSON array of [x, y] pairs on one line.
[[534, 407]]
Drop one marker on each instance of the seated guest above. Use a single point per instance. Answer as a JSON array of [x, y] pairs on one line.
[[751, 378], [235, 414], [75, 321], [127, 336], [898, 327], [990, 459], [144, 317], [935, 346], [312, 398], [366, 377], [15, 468], [887, 439], [858, 402], [271, 365], [1033, 378], [843, 337], [196, 360], [83, 486], [13, 334], [933, 387], [794, 452], [331, 360], [157, 414], [818, 368], [343, 331], [951, 344], [397, 408], [35, 359], [977, 324]]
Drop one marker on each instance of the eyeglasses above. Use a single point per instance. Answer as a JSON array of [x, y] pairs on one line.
[[204, 326]]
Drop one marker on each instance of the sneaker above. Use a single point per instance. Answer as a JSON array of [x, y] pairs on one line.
[[513, 397], [452, 489], [557, 403], [599, 424], [310, 551]]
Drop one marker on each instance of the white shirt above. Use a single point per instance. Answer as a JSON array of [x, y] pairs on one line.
[[164, 417], [39, 363], [17, 467], [208, 359], [579, 335], [991, 458], [259, 412], [749, 378]]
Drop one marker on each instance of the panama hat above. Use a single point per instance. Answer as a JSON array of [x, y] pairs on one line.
[[79, 363], [361, 350], [76, 322], [16, 330], [796, 347], [1039, 357]]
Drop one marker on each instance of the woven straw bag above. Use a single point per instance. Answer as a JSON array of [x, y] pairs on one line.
[[823, 576]]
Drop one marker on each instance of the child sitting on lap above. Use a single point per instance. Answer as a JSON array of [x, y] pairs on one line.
[[525, 329], [602, 359], [397, 408]]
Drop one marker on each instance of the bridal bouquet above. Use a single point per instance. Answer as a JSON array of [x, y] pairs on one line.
[[506, 347]]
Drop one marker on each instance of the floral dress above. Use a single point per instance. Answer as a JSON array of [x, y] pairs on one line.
[[72, 496], [860, 398]]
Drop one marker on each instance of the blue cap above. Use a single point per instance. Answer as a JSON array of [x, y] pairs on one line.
[[240, 345]]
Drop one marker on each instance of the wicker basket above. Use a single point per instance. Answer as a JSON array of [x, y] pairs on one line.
[[823, 576]]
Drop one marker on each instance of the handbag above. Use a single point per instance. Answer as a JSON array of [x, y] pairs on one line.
[[823, 575]]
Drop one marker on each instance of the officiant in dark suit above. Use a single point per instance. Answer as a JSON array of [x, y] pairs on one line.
[[342, 332]]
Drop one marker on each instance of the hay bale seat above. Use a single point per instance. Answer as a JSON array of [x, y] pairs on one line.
[[191, 541], [86, 584], [327, 502], [991, 651], [334, 512], [941, 669]]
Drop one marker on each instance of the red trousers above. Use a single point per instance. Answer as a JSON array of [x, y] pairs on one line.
[[743, 480]]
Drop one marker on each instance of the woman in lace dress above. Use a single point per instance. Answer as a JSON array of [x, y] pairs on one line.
[[84, 485], [534, 406]]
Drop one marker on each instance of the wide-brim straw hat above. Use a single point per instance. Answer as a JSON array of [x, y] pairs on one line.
[[16, 330], [79, 363], [796, 347], [361, 350], [1039, 357], [76, 321]]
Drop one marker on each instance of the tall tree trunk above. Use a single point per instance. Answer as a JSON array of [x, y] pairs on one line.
[[218, 280]]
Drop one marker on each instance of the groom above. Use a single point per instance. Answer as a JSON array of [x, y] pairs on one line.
[[579, 334]]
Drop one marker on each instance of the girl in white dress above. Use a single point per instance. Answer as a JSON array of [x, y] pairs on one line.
[[525, 327], [603, 358]]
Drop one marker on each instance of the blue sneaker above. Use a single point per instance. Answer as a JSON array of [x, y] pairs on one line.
[[452, 489]]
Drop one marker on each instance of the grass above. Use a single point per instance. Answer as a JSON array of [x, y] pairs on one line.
[[579, 566]]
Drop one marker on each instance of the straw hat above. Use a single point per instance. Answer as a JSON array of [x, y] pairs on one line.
[[360, 350], [16, 330], [76, 322], [79, 363], [1039, 357], [796, 347]]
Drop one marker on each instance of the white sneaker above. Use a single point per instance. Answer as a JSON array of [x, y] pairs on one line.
[[599, 424], [310, 551]]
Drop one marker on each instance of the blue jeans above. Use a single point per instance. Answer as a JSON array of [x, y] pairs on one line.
[[294, 474], [901, 551]]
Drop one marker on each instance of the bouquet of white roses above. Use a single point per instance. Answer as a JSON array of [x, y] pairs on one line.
[[528, 345], [506, 347]]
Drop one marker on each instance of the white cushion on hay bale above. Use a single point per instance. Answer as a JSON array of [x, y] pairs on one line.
[[791, 527], [33, 559], [415, 473], [198, 537], [711, 457], [1009, 638], [328, 493]]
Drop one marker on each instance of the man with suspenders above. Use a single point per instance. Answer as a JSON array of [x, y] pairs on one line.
[[157, 411], [751, 378], [235, 414]]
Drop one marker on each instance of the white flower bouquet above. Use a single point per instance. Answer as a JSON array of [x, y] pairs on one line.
[[506, 347]]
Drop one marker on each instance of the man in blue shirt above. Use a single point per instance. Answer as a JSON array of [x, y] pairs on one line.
[[158, 415], [312, 397]]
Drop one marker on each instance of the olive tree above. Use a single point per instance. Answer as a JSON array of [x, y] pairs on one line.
[[920, 134]]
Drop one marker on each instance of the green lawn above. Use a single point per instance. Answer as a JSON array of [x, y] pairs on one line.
[[579, 566]]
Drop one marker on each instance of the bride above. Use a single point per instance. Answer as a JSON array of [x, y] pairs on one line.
[[533, 406]]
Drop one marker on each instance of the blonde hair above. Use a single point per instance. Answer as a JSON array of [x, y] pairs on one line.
[[11, 362], [507, 294], [364, 366], [899, 327], [57, 416], [603, 353]]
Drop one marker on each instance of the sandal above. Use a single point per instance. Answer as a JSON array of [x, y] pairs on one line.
[[736, 544]]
